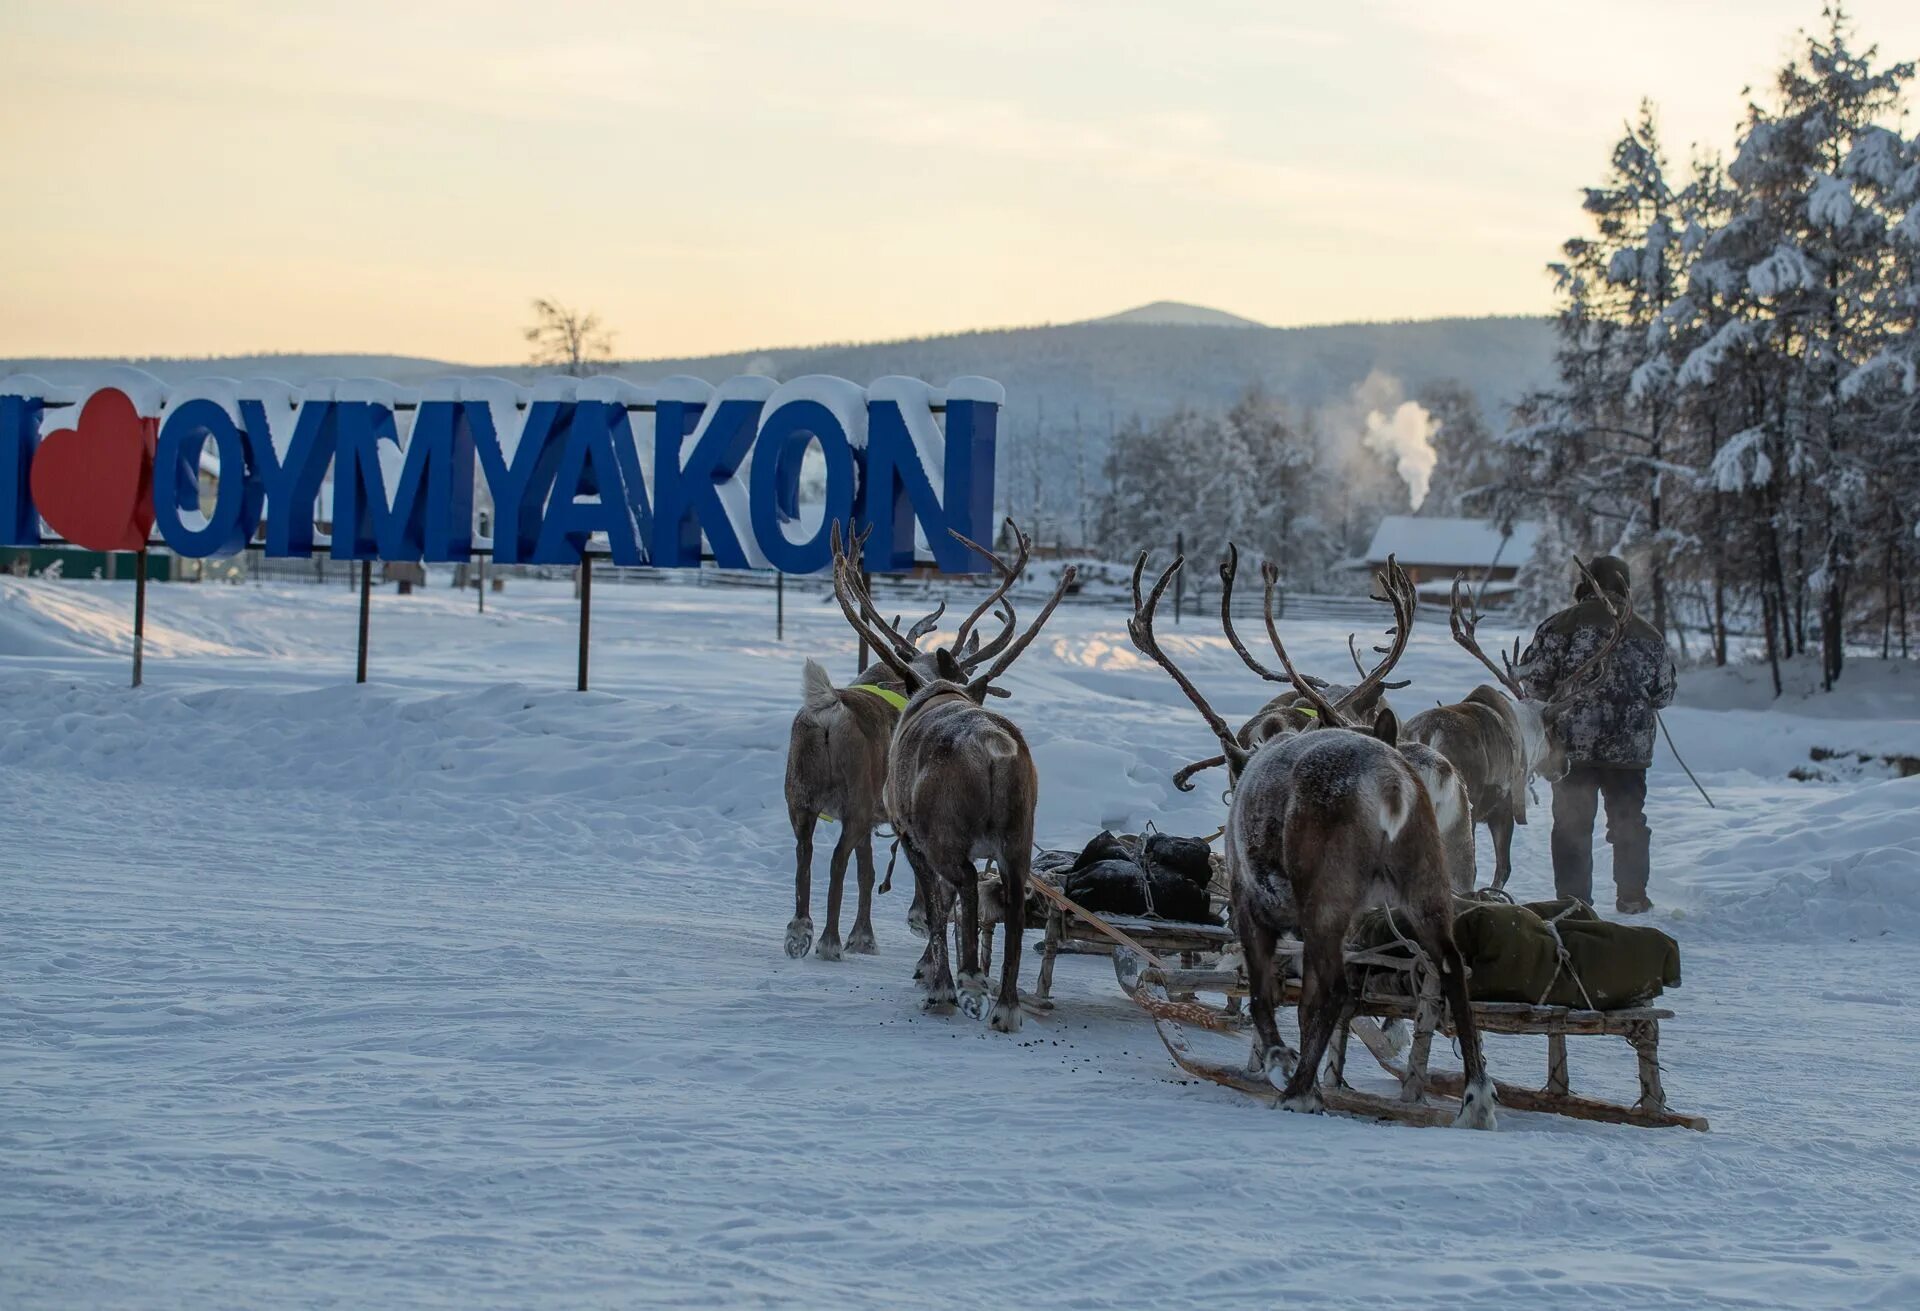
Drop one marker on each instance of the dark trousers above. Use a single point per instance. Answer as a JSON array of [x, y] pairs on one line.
[[1575, 799]]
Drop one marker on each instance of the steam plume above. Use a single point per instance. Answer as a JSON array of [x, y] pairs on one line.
[[1406, 437]]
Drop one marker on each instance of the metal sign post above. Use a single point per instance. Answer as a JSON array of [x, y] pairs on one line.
[[586, 615], [139, 612], [366, 606]]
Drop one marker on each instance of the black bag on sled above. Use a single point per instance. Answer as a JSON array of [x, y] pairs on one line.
[[1168, 879], [1120, 887], [1513, 954]]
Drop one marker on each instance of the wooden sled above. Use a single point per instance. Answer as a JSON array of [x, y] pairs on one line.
[[1072, 929], [1389, 985]]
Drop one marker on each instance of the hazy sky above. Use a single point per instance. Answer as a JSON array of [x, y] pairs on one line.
[[190, 178]]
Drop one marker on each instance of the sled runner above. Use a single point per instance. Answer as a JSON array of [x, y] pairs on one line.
[[1396, 983], [1153, 987]]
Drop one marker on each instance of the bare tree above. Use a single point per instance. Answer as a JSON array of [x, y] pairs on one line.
[[567, 339]]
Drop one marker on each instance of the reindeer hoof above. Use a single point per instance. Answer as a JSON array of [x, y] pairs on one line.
[[799, 936], [829, 948], [1307, 1103], [939, 1001], [1005, 1017], [1476, 1107], [860, 942], [1275, 1062]]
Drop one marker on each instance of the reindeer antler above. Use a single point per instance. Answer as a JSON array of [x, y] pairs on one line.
[[1183, 777], [1009, 623], [1229, 568], [977, 686], [857, 606], [924, 625], [1140, 629], [1398, 592], [870, 612], [1463, 634], [1008, 575], [1312, 695], [1353, 653], [1583, 679]]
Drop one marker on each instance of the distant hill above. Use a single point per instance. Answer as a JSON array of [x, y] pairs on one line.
[[1068, 385], [1173, 311]]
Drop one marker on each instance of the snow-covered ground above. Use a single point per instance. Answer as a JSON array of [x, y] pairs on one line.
[[464, 989]]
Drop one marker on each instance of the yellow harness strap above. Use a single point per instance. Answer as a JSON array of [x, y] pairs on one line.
[[886, 694]]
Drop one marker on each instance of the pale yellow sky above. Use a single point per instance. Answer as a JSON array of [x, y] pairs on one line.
[[193, 178]]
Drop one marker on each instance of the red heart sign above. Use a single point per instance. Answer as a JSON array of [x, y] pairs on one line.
[[94, 482]]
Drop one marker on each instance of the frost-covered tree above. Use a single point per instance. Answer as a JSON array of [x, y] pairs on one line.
[[1805, 255], [1739, 366], [1600, 445], [1253, 475], [1467, 464]]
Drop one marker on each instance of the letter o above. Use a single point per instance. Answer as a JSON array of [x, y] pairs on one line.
[[774, 483], [176, 483]]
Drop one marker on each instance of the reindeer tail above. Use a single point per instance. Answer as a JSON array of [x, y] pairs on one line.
[[816, 689], [1393, 806]]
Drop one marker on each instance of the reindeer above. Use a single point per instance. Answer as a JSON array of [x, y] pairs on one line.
[[1325, 821], [1292, 712], [1287, 712], [961, 785], [1498, 740], [837, 768]]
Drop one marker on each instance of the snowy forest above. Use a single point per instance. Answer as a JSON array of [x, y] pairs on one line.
[[1737, 406], [1302, 486]]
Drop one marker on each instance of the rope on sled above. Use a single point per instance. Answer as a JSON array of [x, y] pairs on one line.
[[1565, 961]]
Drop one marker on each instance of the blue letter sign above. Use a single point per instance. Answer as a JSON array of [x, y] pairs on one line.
[[746, 475]]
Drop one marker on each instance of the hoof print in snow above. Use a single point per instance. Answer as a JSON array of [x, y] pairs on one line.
[[799, 937]]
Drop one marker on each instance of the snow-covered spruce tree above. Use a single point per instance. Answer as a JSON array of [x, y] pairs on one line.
[[1739, 369], [1600, 447], [1805, 259], [1715, 538], [1886, 388]]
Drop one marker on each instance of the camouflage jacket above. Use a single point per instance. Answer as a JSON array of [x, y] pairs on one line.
[[1612, 723]]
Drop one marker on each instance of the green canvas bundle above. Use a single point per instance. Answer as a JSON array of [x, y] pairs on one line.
[[1514, 954]]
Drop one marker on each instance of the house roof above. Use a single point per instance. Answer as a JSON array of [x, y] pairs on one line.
[[1451, 543]]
